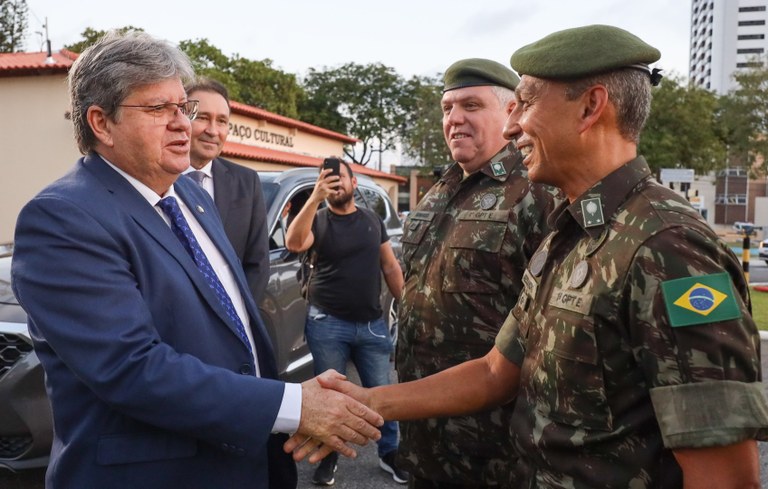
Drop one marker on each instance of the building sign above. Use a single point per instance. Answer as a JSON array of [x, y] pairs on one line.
[[253, 135], [683, 175]]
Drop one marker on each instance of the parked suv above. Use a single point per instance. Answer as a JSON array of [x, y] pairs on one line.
[[26, 428]]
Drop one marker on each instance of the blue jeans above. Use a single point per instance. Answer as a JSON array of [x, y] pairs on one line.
[[334, 341]]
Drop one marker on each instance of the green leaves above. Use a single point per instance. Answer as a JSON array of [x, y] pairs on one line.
[[360, 100], [91, 35], [13, 24], [248, 81], [683, 129], [690, 127], [745, 117]]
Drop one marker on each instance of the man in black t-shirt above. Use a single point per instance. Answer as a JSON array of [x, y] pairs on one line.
[[345, 319]]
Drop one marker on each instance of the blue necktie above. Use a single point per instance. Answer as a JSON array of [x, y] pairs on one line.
[[181, 230]]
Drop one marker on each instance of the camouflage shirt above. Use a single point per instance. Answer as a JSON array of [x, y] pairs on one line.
[[465, 248], [611, 379]]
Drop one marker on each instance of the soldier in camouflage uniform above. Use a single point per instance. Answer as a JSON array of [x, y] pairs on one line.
[[465, 248], [639, 357], [631, 349]]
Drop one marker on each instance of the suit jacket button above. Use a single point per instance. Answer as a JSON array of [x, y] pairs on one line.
[[246, 369]]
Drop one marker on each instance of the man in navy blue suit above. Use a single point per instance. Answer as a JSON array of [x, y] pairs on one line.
[[158, 367], [235, 189]]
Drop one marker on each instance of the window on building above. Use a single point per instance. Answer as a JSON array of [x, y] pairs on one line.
[[746, 37], [735, 171], [731, 199], [751, 22], [749, 64], [752, 9], [750, 51]]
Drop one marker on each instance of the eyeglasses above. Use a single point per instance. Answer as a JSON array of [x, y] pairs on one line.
[[167, 112]]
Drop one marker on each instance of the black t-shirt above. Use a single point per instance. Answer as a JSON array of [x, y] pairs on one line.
[[346, 281]]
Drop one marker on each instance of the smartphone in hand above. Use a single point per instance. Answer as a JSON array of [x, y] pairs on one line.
[[334, 164]]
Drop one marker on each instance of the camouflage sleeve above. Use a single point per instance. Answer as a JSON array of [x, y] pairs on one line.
[[711, 413], [704, 373], [510, 342]]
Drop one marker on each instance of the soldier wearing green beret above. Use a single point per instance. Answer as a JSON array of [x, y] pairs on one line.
[[639, 357], [465, 248], [631, 351]]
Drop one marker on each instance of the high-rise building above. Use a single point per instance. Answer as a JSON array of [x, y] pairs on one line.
[[726, 36]]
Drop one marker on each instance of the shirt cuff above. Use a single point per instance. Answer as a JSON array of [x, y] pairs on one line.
[[289, 415]]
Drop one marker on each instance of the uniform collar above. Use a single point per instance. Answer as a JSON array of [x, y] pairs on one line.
[[596, 207], [506, 162]]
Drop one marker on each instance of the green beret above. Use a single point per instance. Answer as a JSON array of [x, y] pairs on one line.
[[475, 72], [583, 51]]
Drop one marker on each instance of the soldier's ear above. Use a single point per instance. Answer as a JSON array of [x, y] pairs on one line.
[[510, 106], [593, 102]]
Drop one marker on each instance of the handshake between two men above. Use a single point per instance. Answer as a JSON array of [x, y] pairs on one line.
[[331, 420]]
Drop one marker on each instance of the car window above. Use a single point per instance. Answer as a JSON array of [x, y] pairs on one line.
[[270, 190], [375, 202], [288, 212]]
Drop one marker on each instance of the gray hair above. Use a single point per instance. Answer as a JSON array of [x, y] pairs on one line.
[[108, 71], [504, 95], [629, 90]]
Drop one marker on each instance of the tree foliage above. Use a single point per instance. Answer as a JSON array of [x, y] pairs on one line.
[[361, 100], [745, 119], [91, 35], [422, 133], [688, 127], [683, 129], [13, 25], [251, 82]]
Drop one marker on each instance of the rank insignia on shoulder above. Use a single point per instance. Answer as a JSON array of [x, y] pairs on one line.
[[592, 210], [700, 300], [498, 169]]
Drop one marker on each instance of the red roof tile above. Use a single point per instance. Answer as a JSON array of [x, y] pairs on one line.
[[256, 153], [258, 113], [23, 64]]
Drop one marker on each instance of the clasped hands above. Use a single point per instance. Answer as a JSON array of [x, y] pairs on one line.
[[334, 413]]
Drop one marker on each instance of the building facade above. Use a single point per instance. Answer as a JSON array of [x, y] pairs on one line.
[[39, 145], [726, 36]]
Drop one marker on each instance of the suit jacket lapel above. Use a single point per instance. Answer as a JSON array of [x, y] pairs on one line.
[[223, 185], [215, 231], [147, 217]]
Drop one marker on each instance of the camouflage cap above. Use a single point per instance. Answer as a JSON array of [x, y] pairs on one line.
[[475, 72], [584, 51]]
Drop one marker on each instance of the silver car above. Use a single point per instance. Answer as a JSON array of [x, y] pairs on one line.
[[762, 250], [26, 429]]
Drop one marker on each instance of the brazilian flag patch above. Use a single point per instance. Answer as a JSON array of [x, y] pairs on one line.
[[700, 300]]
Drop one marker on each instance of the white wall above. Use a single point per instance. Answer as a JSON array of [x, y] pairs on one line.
[[38, 142]]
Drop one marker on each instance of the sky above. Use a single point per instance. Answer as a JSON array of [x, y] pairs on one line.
[[415, 37]]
